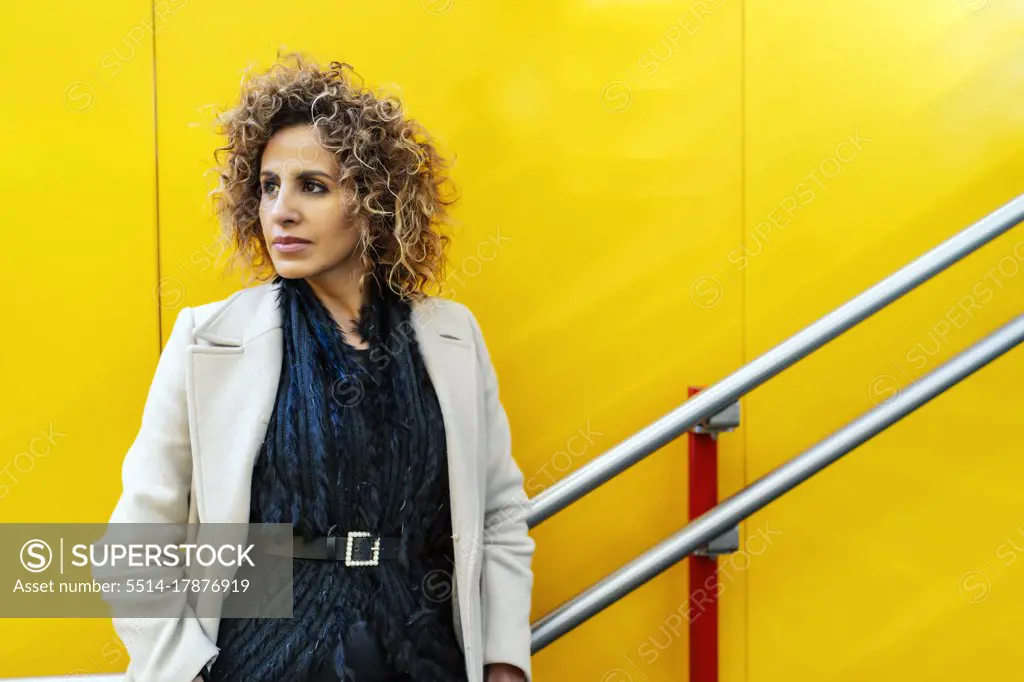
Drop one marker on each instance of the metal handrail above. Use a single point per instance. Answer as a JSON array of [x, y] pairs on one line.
[[771, 486], [727, 391]]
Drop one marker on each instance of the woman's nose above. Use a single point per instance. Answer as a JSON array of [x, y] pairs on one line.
[[283, 211]]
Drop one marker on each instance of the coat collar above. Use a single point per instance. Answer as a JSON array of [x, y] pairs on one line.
[[244, 316]]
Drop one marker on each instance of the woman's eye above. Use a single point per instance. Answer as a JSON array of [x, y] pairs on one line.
[[269, 187]]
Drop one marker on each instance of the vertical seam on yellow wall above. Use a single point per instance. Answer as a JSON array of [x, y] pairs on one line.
[[743, 299], [156, 191]]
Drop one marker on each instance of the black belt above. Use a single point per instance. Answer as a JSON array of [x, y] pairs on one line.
[[358, 548]]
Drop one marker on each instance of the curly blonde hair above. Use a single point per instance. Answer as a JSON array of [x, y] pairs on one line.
[[398, 181]]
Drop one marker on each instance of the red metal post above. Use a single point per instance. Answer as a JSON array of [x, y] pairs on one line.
[[703, 606]]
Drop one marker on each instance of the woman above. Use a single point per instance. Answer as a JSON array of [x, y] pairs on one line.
[[340, 398]]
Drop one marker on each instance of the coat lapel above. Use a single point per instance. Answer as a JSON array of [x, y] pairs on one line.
[[231, 381], [451, 363]]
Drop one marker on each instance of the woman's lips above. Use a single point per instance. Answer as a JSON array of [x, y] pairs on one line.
[[290, 247]]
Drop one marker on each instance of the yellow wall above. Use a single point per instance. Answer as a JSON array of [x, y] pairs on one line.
[[77, 270], [628, 160]]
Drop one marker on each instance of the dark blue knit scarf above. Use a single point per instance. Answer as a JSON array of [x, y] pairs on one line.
[[336, 419]]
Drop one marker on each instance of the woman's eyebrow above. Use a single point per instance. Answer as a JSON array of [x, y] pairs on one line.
[[304, 175]]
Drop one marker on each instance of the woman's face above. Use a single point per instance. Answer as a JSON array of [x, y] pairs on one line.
[[302, 207]]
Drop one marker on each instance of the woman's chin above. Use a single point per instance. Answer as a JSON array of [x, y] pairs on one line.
[[292, 270]]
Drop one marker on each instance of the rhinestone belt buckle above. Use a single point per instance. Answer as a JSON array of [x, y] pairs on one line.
[[349, 561]]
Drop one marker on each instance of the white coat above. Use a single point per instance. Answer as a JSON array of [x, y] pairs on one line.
[[205, 419]]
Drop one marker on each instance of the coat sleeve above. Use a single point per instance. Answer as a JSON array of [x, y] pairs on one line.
[[507, 576], [156, 482]]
